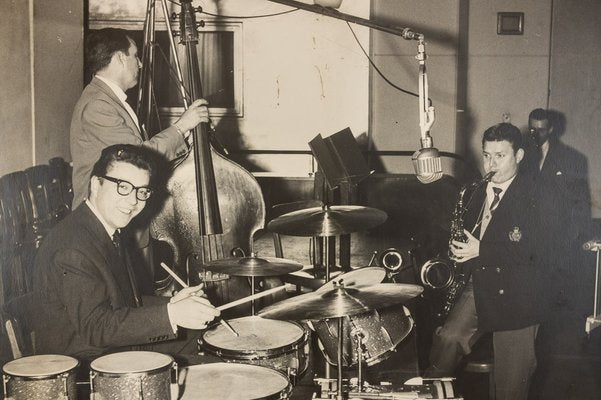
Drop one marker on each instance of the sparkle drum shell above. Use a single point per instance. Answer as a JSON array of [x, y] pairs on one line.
[[382, 331], [132, 375], [41, 377], [231, 381], [281, 345]]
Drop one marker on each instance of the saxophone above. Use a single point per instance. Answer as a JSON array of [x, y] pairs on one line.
[[443, 272]]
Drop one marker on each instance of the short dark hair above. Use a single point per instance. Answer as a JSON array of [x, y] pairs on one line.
[[102, 44], [539, 114], [137, 156], [504, 131]]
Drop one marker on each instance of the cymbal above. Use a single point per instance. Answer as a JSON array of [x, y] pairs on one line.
[[327, 221], [340, 301], [359, 277], [253, 266]]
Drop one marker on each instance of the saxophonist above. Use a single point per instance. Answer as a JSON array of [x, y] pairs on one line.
[[507, 253]]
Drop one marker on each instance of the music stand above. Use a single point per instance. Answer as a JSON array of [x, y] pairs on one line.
[[340, 158]]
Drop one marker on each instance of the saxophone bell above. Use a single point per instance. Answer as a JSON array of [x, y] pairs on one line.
[[437, 273]]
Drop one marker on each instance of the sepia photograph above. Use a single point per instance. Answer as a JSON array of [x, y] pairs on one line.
[[300, 199]]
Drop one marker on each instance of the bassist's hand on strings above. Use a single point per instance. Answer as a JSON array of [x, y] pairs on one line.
[[195, 114], [464, 251]]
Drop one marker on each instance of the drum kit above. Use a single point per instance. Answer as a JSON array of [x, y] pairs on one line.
[[356, 318]]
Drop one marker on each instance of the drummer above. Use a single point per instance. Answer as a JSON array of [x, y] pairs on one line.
[[89, 297]]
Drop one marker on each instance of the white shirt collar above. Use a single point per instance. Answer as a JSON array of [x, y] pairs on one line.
[[490, 194], [114, 87], [108, 229]]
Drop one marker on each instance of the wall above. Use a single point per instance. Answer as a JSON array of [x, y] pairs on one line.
[[575, 87], [395, 115], [55, 80], [15, 85], [303, 75]]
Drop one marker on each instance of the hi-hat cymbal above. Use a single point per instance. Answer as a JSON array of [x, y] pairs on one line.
[[327, 221], [340, 301], [359, 277], [253, 266]]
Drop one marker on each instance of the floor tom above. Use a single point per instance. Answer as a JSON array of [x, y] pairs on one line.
[[40, 377]]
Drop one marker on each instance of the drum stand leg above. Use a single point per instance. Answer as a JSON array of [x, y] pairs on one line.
[[340, 345], [252, 291], [359, 338]]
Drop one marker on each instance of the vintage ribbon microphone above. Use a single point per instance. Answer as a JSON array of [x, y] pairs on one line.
[[426, 161]]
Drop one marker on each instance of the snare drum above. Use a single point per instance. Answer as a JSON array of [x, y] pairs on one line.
[[230, 381], [132, 375], [281, 345], [382, 330], [42, 377]]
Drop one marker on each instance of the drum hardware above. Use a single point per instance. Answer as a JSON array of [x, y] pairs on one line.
[[252, 267], [40, 377], [327, 221], [413, 389], [339, 302], [281, 345]]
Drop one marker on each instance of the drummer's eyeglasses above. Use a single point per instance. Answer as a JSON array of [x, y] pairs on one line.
[[124, 188]]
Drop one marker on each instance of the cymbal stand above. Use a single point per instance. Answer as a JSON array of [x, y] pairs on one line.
[[359, 339]]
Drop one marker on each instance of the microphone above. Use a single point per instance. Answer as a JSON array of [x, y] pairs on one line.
[[427, 162], [592, 245]]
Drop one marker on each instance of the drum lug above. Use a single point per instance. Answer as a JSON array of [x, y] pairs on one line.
[[4, 382], [65, 389], [92, 376]]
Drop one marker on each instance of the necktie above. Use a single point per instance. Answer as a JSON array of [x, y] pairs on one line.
[[496, 199], [117, 242]]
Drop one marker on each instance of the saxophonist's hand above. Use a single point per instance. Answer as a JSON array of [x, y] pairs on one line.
[[465, 251]]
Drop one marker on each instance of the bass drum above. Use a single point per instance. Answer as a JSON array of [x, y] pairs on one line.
[[225, 381], [380, 332]]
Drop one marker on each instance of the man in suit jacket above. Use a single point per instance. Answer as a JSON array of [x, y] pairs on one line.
[[565, 171], [507, 253], [85, 288], [103, 117]]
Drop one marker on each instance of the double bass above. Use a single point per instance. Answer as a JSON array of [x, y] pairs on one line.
[[213, 206]]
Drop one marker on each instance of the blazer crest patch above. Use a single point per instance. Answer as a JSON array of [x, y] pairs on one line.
[[515, 235]]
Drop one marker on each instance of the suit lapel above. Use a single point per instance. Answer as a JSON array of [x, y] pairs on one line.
[[104, 88]]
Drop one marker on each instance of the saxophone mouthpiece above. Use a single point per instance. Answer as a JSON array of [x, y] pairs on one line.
[[488, 176]]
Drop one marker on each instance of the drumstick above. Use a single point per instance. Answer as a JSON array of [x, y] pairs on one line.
[[183, 284], [252, 297]]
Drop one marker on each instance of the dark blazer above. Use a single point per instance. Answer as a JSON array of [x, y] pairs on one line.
[[84, 294], [100, 120], [510, 274]]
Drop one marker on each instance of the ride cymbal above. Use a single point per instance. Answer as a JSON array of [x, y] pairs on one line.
[[341, 301], [327, 221], [253, 266]]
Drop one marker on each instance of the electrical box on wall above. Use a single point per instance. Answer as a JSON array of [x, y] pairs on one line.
[[510, 23]]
